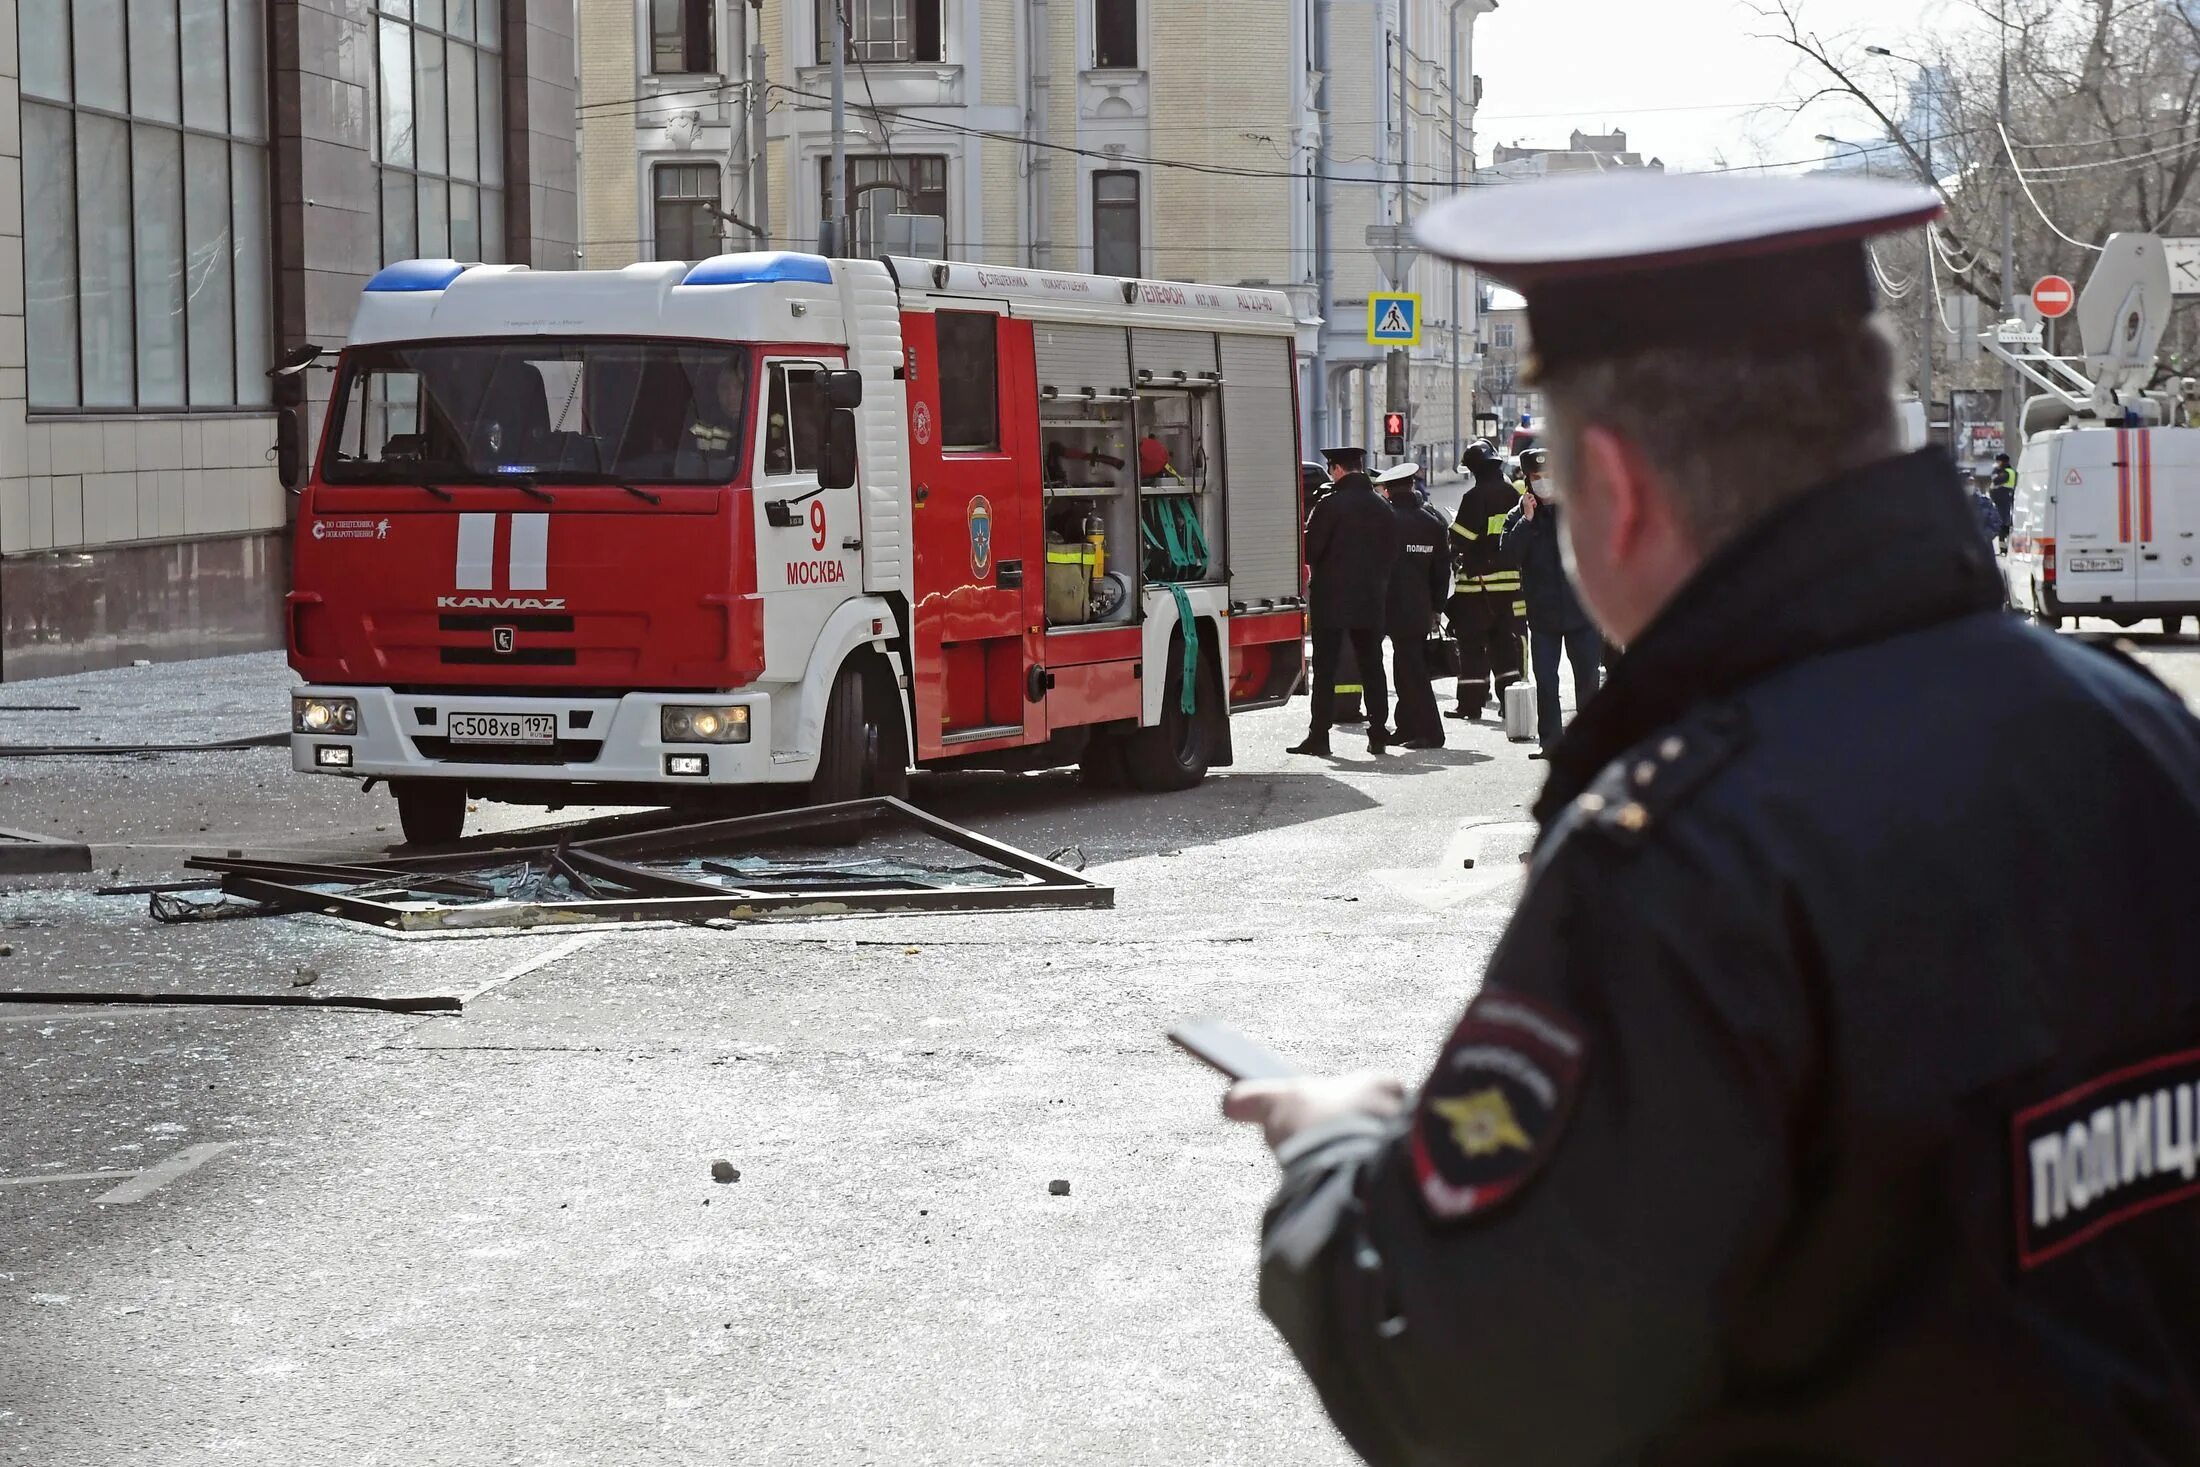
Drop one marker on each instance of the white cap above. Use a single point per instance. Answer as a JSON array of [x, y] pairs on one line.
[[1396, 472]]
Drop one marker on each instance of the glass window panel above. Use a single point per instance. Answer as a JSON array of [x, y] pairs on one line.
[[153, 79], [49, 261], [461, 21], [1114, 33], [156, 167], [45, 53], [396, 7], [99, 69], [248, 230], [397, 94], [247, 70], [208, 316], [428, 12], [492, 226], [430, 136], [400, 214], [465, 115], [465, 223], [435, 219], [490, 87], [969, 388], [103, 260], [489, 22], [206, 64]]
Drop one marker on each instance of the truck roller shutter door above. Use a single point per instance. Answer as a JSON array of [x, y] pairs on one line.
[[1261, 459], [1166, 353], [1073, 358]]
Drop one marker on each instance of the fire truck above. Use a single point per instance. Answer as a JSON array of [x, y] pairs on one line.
[[646, 535]]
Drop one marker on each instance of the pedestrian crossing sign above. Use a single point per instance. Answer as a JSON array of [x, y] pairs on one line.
[[1394, 319]]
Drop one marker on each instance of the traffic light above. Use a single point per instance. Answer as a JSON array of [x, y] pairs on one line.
[[1394, 434]]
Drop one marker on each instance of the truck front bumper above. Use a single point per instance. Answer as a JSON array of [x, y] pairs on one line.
[[611, 741]]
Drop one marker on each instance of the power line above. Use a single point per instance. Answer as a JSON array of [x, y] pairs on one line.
[[2120, 164], [2033, 199]]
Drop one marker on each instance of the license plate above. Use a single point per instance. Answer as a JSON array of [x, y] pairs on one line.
[[2095, 563], [504, 728]]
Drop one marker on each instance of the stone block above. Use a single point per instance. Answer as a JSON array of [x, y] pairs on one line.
[[190, 444], [38, 447], [76, 448], [118, 447], [68, 511], [11, 275], [40, 534], [159, 444], [15, 448], [170, 520], [11, 341], [11, 195], [15, 513], [148, 504]]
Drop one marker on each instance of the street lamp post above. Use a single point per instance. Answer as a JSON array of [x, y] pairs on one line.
[[1927, 322]]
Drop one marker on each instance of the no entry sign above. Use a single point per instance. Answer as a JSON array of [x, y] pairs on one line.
[[2054, 296]]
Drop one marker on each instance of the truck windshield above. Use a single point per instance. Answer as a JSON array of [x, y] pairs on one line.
[[571, 411]]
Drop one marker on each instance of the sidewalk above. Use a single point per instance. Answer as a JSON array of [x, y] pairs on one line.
[[166, 703]]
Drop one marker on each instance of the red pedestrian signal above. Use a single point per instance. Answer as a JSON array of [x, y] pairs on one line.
[[1394, 434]]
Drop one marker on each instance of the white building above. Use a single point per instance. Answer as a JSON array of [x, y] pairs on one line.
[[1115, 136]]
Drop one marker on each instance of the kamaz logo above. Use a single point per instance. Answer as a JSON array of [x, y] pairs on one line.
[[500, 603]]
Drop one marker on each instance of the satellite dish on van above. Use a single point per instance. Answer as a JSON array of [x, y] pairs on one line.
[[2124, 311]]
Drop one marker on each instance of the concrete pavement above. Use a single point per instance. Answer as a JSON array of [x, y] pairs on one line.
[[263, 1237]]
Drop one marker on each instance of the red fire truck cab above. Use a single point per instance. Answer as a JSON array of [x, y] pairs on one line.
[[636, 535]]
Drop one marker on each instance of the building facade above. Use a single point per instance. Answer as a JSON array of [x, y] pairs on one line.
[[207, 185], [1121, 137]]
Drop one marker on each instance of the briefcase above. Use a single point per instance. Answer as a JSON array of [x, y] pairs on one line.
[[1520, 712], [1441, 654]]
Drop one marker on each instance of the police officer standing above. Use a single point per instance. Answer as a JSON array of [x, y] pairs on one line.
[[1351, 544], [2004, 495], [1486, 608], [1556, 621], [1768, 1136], [1417, 587]]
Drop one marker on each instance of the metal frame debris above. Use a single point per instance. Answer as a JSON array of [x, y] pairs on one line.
[[682, 873]]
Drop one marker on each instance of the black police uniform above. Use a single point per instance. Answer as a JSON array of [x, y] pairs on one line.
[[1832, 1096], [1345, 681], [1486, 608], [2005, 498], [1417, 587], [1351, 545]]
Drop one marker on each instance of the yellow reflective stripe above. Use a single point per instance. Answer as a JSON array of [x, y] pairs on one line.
[[1464, 532], [1347, 688], [1520, 608], [1497, 523]]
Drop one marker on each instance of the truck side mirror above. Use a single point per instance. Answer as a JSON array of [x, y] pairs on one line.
[[289, 449], [841, 389], [838, 471]]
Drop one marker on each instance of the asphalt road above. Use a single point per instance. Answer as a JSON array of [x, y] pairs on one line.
[[267, 1237]]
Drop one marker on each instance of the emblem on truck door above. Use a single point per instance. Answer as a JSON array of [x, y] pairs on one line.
[[504, 639], [981, 535]]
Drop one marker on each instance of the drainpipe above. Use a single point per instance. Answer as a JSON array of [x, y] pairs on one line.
[[1038, 51], [760, 177], [1325, 281]]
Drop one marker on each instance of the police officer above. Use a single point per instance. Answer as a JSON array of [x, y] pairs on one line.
[[1769, 1137], [1486, 608], [1315, 482], [1351, 545], [2004, 495], [1556, 621], [1418, 586]]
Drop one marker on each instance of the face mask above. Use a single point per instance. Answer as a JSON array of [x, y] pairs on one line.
[[1541, 488]]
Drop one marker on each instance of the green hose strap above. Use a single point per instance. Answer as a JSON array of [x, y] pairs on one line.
[[1187, 701]]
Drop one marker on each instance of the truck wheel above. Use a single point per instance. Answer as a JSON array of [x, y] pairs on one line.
[[1101, 765], [841, 749], [1173, 754], [431, 812], [885, 741], [2171, 625]]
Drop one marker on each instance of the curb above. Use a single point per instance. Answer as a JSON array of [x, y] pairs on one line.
[[24, 854]]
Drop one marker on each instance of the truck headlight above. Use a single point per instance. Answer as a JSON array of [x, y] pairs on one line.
[[324, 715], [704, 725]]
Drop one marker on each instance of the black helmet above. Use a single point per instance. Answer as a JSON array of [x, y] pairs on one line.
[[1535, 461], [1480, 456]]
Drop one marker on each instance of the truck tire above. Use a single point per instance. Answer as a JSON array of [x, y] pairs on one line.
[[886, 742], [2171, 625], [1173, 754], [842, 747], [431, 812]]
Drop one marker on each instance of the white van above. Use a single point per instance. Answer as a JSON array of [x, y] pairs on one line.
[[2108, 525]]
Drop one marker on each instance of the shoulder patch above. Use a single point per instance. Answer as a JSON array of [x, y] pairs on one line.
[[1496, 1105], [1635, 791], [2104, 1153]]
